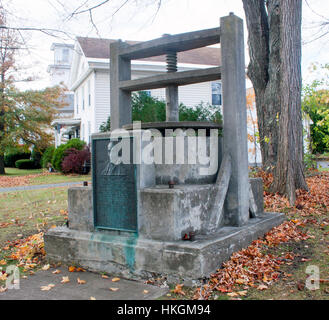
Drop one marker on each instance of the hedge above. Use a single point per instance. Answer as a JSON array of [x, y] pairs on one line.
[[14, 155], [25, 164]]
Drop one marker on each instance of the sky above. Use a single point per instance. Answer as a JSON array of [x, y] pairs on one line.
[[136, 20]]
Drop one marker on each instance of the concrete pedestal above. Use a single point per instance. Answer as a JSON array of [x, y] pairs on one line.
[[129, 256]]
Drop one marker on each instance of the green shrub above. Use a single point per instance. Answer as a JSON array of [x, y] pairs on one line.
[[59, 153], [24, 164], [36, 156], [15, 154], [47, 156]]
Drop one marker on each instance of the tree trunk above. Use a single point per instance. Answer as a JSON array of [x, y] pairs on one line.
[[2, 164], [264, 71], [289, 174]]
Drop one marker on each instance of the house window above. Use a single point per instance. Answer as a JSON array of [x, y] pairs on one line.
[[89, 96], [65, 55], [83, 98], [89, 131], [216, 93], [83, 131], [77, 101]]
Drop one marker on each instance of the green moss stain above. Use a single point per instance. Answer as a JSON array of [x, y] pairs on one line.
[[130, 250]]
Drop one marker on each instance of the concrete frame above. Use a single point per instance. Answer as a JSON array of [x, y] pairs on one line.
[[232, 73]]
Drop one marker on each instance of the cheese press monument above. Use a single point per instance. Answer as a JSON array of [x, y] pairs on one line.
[[171, 198]]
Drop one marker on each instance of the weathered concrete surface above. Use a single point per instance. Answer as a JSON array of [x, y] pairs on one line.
[[172, 113], [216, 217], [171, 213], [257, 189], [120, 100], [188, 166], [80, 208], [181, 78], [177, 43], [133, 257], [235, 118], [95, 286]]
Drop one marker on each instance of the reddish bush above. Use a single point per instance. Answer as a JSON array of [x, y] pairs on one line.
[[76, 161]]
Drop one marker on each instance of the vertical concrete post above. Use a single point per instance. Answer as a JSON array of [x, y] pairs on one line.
[[235, 118], [120, 69], [172, 113]]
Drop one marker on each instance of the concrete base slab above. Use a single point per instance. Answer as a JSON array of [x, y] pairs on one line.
[[133, 257], [95, 286]]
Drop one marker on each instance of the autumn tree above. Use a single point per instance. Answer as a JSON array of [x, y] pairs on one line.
[[25, 117], [316, 105]]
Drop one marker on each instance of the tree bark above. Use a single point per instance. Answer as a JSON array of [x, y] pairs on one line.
[[2, 165], [264, 71], [289, 174]]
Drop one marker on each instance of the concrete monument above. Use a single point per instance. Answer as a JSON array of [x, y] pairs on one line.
[[170, 198]]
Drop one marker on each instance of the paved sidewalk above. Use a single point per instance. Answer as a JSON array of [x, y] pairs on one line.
[[95, 286], [42, 186]]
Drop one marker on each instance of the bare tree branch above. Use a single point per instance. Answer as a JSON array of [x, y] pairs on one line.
[[76, 12], [50, 32]]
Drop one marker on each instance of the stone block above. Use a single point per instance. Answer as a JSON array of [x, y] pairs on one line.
[[258, 192], [80, 208]]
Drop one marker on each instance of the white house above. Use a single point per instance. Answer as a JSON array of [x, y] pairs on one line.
[[90, 81]]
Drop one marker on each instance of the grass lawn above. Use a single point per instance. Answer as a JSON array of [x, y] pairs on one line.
[[14, 172], [19, 177], [59, 178], [29, 212]]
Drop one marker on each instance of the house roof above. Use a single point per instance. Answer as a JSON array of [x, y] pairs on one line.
[[100, 49]]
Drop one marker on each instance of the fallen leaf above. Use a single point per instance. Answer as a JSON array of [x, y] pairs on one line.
[[92, 298], [65, 280], [104, 276], [45, 267], [81, 281], [115, 279], [3, 276], [232, 294], [178, 289], [3, 289], [240, 281], [57, 271], [3, 262], [72, 269], [114, 289], [262, 287], [145, 291], [47, 288], [242, 293]]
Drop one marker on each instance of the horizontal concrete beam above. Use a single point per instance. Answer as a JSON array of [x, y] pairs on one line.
[[179, 42], [177, 78]]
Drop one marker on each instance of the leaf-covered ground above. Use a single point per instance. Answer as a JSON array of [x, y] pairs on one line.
[[274, 267]]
